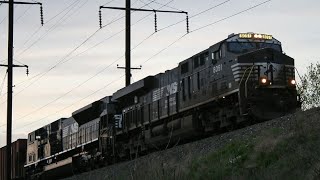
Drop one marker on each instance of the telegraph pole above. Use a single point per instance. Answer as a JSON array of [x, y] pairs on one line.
[[128, 10], [10, 79], [128, 42]]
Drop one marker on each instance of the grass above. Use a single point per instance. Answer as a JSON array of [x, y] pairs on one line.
[[274, 154]]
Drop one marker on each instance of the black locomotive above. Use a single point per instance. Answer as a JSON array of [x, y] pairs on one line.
[[245, 77]]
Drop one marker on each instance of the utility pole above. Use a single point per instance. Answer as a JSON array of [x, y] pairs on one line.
[[128, 42], [128, 10], [10, 84], [10, 79]]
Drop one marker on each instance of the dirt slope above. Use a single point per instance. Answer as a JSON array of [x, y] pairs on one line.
[[284, 148]]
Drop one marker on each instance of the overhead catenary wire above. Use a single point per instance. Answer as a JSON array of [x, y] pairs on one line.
[[109, 2], [22, 14], [54, 26], [158, 53], [50, 29], [207, 25], [64, 108], [195, 15], [3, 20], [117, 19], [1, 88], [70, 7], [146, 4], [49, 20], [84, 82], [175, 41], [223, 19], [2, 84], [96, 74], [65, 57], [2, 61], [165, 5]]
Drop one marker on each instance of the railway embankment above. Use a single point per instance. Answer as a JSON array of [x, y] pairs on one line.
[[283, 148]]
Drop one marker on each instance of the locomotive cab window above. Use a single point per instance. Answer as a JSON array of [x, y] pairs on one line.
[[215, 57], [243, 47], [203, 58], [195, 62], [183, 88], [222, 51], [184, 68]]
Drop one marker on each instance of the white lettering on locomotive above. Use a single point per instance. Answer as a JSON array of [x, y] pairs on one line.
[[217, 68], [165, 91]]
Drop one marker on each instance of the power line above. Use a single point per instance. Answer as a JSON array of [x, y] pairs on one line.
[[18, 62], [109, 38], [53, 27], [223, 19], [68, 53], [81, 84], [56, 25], [205, 26], [78, 87], [115, 20], [109, 2], [3, 19], [146, 4], [65, 58], [19, 17], [87, 79], [193, 16], [49, 20], [50, 29], [165, 5], [69, 105], [2, 84], [96, 74]]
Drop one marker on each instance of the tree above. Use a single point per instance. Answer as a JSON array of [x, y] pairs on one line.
[[310, 87]]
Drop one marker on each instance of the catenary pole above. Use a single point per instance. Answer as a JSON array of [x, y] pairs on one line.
[[128, 42], [128, 10], [10, 67], [10, 83]]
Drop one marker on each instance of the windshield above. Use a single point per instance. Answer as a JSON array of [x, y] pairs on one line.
[[243, 47]]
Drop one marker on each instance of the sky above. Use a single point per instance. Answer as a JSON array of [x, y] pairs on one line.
[[72, 62]]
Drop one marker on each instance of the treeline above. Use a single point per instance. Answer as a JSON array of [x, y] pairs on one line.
[[309, 87]]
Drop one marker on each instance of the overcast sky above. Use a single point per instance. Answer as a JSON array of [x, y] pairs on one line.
[[73, 63]]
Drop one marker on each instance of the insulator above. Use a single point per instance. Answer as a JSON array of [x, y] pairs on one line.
[[27, 71], [41, 14], [155, 22], [187, 19], [100, 19]]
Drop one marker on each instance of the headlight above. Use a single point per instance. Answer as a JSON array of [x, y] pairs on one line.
[[263, 80], [292, 82]]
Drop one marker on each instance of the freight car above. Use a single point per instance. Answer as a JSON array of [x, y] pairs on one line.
[[18, 149], [244, 78]]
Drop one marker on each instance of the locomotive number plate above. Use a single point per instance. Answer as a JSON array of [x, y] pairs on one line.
[[217, 68]]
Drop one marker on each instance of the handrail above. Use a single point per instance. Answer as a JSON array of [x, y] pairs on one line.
[[244, 74], [246, 89]]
